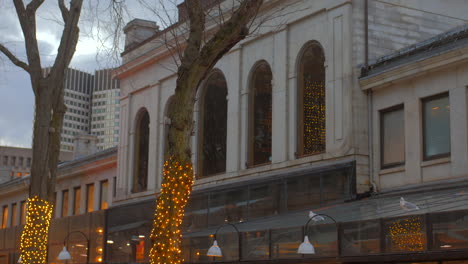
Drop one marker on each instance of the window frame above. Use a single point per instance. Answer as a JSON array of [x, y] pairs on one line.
[[251, 116], [300, 146], [88, 193], [382, 112], [137, 152], [423, 121], [101, 186], [65, 204], [75, 204]]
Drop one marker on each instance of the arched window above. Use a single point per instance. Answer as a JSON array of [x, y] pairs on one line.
[[213, 126], [311, 100], [260, 101], [140, 173]]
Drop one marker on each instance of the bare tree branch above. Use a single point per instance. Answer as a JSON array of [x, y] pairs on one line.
[[63, 9], [32, 7], [13, 58]]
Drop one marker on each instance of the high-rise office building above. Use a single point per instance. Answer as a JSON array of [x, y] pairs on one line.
[[105, 109], [92, 107]]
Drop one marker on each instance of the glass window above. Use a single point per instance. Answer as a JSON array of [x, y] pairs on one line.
[[76, 200], [228, 206], [13, 161], [436, 126], [5, 160], [260, 115], [103, 200], [392, 137], [213, 127], [14, 213], [303, 193], [255, 245], [405, 234], [23, 213], [311, 100], [450, 230], [89, 197], [196, 214], [264, 200], [5, 216], [140, 179], [285, 242], [21, 161], [64, 203], [360, 238]]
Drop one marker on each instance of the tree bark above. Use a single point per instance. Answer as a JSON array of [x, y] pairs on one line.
[[48, 118], [178, 176]]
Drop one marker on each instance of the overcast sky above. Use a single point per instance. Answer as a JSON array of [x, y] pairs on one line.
[[16, 96]]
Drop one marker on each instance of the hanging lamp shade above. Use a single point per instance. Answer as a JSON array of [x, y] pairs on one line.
[[64, 254], [306, 247], [215, 250]]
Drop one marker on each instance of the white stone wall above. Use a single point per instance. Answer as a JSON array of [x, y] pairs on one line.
[[150, 86]]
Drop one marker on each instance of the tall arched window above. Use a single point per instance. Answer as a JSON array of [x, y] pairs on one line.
[[311, 100], [213, 126], [140, 173], [260, 115]]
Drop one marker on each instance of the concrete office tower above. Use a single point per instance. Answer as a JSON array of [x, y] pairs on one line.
[[77, 97], [105, 109]]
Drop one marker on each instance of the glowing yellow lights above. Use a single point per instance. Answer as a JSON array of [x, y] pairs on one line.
[[99, 250], [314, 116], [100, 230], [99, 259], [33, 245], [169, 213], [407, 234]]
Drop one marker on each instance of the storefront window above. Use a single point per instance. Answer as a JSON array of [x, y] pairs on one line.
[[264, 200], [255, 245], [360, 238], [324, 236], [303, 193], [228, 206], [405, 234], [285, 242], [450, 230], [196, 213]]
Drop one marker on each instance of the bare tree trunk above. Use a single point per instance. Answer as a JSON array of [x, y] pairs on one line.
[[48, 118], [196, 63]]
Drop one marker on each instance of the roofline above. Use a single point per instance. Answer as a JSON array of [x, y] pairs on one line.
[[438, 44]]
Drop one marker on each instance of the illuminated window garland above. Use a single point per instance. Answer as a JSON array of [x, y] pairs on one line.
[[407, 234], [33, 245], [169, 213]]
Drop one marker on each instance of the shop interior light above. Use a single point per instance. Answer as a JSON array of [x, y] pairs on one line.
[[306, 247], [215, 250], [64, 254]]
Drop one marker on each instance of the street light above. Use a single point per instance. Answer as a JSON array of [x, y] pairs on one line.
[[215, 250], [306, 247], [65, 255]]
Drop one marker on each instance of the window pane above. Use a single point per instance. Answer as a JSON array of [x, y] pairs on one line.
[[89, 197], [214, 121], [13, 214], [255, 245], [303, 192], [23, 213], [360, 238], [285, 242], [103, 193], [405, 234], [311, 98], [140, 180], [64, 203], [450, 230], [264, 200], [76, 200], [392, 137], [262, 105], [436, 126], [5, 216], [196, 214], [228, 206], [323, 235]]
